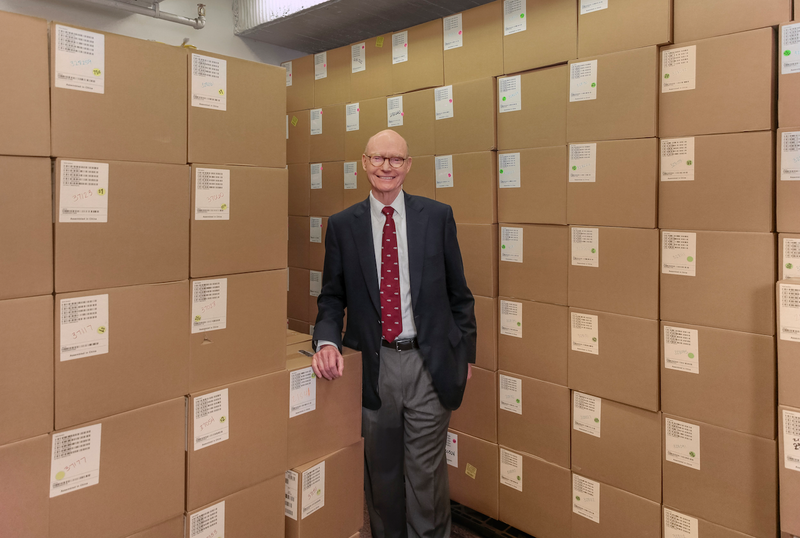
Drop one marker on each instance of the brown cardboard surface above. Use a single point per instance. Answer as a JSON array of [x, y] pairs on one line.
[[420, 181], [313, 310], [542, 194], [334, 89], [298, 143], [542, 121], [626, 455], [621, 514], [478, 243], [145, 91], [626, 280], [316, 251], [375, 81], [542, 275], [169, 529], [729, 97], [735, 387], [627, 98], [481, 54], [253, 341], [299, 189], [371, 121], [486, 317], [419, 116], [256, 447], [788, 90], [297, 325], [788, 361], [25, 467], [698, 19], [141, 476], [478, 412], [26, 121], [425, 65], [26, 233], [473, 195], [300, 95], [254, 237], [625, 190], [732, 188], [478, 489], [146, 238], [736, 485], [625, 25], [542, 351], [551, 37], [294, 337], [473, 126], [147, 341], [625, 369], [252, 131], [363, 187], [543, 427], [787, 194], [328, 200], [329, 146], [740, 300], [298, 242], [789, 478], [297, 296]]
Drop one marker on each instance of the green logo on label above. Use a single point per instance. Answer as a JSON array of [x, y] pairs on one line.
[[503, 246], [521, 15], [519, 478], [691, 355], [574, 167], [96, 72], [789, 265], [692, 454], [501, 170], [689, 259], [519, 324], [224, 207], [787, 53], [313, 375], [60, 475], [666, 75], [577, 498], [504, 98], [101, 330], [101, 191], [689, 163], [222, 419], [594, 339], [594, 251], [517, 400], [197, 318], [594, 85], [597, 420]]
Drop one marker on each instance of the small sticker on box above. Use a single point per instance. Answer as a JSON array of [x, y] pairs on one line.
[[683, 443], [209, 522], [590, 6], [84, 327], [320, 65], [209, 82], [471, 471], [84, 192], [790, 156], [75, 460], [379, 42], [451, 449], [316, 176], [509, 169], [290, 495], [791, 440], [316, 229], [294, 121], [511, 319], [288, 67], [212, 198], [583, 81], [209, 305], [314, 283], [394, 111], [358, 58], [453, 32], [679, 253], [313, 489], [351, 175], [211, 419], [444, 171], [677, 525], [790, 49], [586, 247], [586, 498], [586, 411], [582, 163], [788, 312], [585, 333], [791, 258], [511, 245], [443, 102], [681, 349], [315, 119], [678, 69], [510, 90], [677, 159], [399, 47], [511, 394], [514, 20], [302, 392], [352, 113], [510, 469], [80, 62]]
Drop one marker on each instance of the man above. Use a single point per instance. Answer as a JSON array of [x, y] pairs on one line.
[[393, 261]]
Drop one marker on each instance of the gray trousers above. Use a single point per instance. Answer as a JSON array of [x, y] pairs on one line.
[[405, 470]]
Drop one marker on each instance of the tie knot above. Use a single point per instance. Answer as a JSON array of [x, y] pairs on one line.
[[388, 211]]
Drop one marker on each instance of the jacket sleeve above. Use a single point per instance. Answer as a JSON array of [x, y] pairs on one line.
[[332, 299], [462, 304]]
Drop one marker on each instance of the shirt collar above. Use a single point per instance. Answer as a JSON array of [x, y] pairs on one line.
[[399, 205]]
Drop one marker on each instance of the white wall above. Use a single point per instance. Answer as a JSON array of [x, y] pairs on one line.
[[217, 36]]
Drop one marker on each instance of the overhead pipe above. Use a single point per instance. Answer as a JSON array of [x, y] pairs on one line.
[[155, 12]]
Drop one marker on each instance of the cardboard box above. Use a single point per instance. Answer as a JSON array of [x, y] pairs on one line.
[[316, 250], [477, 415], [169, 529], [149, 341], [478, 244], [141, 474], [789, 468], [248, 127], [145, 236], [730, 187], [536, 269], [625, 25], [486, 317], [615, 512], [296, 325], [537, 424], [327, 142], [731, 480], [549, 35], [728, 96], [538, 193], [787, 194], [734, 383], [624, 103], [294, 337], [250, 235], [788, 347], [25, 466], [467, 182], [622, 449], [417, 57], [297, 295], [620, 277], [253, 338], [698, 19], [343, 509], [374, 80], [538, 501], [740, 300], [332, 81], [468, 122], [421, 178], [476, 49], [298, 242], [366, 119], [139, 115], [298, 141], [300, 83], [299, 189], [538, 117], [621, 189], [473, 472], [614, 357], [326, 200], [362, 186], [224, 461], [26, 124], [26, 267], [418, 114]]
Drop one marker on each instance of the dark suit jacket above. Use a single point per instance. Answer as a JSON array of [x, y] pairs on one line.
[[441, 302]]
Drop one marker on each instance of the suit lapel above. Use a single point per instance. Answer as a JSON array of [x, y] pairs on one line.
[[362, 234], [416, 224]]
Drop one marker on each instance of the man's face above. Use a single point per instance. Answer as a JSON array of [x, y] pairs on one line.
[[385, 178]]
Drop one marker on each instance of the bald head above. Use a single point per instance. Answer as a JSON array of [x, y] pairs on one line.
[[386, 139]]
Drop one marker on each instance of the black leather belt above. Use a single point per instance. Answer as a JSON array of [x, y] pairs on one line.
[[400, 345]]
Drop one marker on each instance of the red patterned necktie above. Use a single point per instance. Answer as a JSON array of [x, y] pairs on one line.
[[391, 315]]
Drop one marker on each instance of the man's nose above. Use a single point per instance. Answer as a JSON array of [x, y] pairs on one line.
[[385, 166]]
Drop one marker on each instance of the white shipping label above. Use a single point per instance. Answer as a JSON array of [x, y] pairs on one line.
[[677, 525], [678, 69], [351, 175], [288, 67], [394, 111], [313, 489], [514, 18], [315, 119], [586, 247], [290, 495], [791, 258], [510, 169], [681, 349], [453, 32], [302, 392], [451, 449], [209, 82], [314, 283], [510, 469], [788, 312], [84, 192], [511, 246], [677, 159], [791, 440], [683, 443], [75, 460], [790, 156], [443, 101], [316, 176], [510, 89], [511, 319], [583, 163], [586, 498], [84, 327], [80, 60], [358, 58], [679, 253], [583, 81], [208, 523], [790, 49], [353, 111], [209, 305], [585, 333], [400, 47], [316, 230], [511, 394], [586, 411], [211, 419], [320, 65], [444, 171], [212, 197], [590, 6]]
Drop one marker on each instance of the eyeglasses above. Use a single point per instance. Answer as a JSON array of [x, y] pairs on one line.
[[394, 162]]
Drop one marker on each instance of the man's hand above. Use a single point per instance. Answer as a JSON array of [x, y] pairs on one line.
[[469, 371], [328, 363]]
